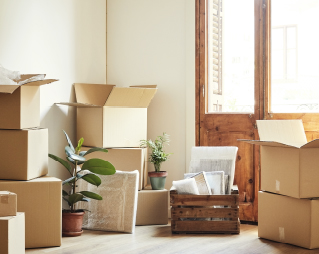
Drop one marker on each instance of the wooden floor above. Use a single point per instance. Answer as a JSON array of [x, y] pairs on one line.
[[159, 239]]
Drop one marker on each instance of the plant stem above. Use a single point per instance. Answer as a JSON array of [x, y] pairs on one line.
[[74, 184]]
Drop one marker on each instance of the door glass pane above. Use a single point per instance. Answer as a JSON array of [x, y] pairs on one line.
[[230, 56], [294, 56]]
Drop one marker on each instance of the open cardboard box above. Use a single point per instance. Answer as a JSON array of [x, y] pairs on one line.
[[289, 164], [20, 104], [23, 153], [288, 220], [109, 116]]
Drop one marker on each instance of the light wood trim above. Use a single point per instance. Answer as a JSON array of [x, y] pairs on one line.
[[197, 72]]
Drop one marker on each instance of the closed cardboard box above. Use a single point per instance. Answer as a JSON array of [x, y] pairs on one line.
[[20, 104], [109, 116], [288, 220], [12, 234], [125, 159], [23, 154], [41, 201], [8, 203], [152, 207], [289, 165]]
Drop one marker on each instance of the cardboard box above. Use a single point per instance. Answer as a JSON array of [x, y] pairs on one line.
[[288, 220], [8, 204], [109, 116], [289, 165], [20, 104], [124, 159], [12, 234], [41, 201], [23, 154], [152, 207]]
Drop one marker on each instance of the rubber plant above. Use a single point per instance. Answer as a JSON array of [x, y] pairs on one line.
[[157, 156], [74, 158]]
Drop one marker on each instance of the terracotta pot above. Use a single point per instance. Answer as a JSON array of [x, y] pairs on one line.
[[158, 179], [72, 223]]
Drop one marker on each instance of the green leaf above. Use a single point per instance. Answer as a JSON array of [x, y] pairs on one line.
[[80, 143], [63, 162], [65, 199], [95, 149], [85, 200], [64, 193], [92, 195], [92, 179], [71, 179], [69, 141], [76, 197], [99, 166]]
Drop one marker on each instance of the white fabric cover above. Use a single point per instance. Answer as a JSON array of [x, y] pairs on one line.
[[117, 210]]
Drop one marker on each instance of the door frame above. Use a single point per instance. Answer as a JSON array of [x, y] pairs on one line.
[[262, 77]]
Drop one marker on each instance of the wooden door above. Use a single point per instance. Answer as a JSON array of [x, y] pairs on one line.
[[224, 129]]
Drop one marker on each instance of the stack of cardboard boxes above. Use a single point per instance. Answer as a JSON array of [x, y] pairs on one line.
[[12, 231], [24, 164], [116, 118], [288, 205]]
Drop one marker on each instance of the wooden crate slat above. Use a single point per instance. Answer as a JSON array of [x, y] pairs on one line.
[[206, 226], [204, 212], [204, 200]]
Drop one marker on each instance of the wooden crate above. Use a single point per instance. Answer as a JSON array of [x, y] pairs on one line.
[[186, 207]]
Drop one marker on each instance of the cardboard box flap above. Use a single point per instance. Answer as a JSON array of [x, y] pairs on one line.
[[92, 94], [146, 86], [290, 132], [266, 143], [11, 88], [312, 144], [79, 105], [131, 97]]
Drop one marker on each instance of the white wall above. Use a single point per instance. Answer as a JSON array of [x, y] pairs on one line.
[[64, 39], [153, 42]]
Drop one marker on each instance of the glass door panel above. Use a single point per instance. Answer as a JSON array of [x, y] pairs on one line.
[[230, 56], [294, 56]]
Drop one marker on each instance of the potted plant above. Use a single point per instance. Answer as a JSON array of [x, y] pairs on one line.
[[72, 218], [157, 156]]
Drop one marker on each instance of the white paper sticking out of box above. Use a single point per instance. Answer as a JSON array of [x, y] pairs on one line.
[[186, 186], [214, 158], [289, 132], [117, 210]]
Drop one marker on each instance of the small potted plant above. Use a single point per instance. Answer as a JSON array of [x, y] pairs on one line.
[[157, 156], [72, 218]]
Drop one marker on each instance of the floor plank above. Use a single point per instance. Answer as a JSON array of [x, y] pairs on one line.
[[159, 239]]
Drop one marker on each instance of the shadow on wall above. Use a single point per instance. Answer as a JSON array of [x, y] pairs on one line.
[[57, 119]]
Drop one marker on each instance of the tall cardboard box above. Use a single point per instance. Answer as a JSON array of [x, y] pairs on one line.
[[12, 234], [288, 220], [152, 207], [23, 154], [20, 104], [41, 201], [109, 116], [289, 164], [8, 204], [124, 159]]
